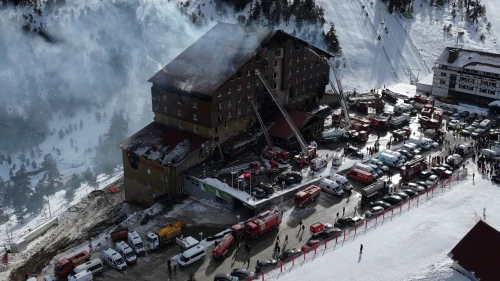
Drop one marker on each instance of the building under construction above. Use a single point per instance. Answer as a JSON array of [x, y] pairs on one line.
[[203, 104]]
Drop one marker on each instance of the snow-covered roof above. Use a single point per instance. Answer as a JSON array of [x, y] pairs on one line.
[[471, 59], [495, 103], [157, 142], [427, 80]]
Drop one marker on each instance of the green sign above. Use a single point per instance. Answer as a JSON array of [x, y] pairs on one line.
[[212, 190]]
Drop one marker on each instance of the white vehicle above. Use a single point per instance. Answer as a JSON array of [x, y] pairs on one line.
[[432, 180], [379, 164], [331, 187], [490, 154], [126, 252], [465, 149], [454, 160], [374, 211], [411, 147], [95, 266], [415, 187], [318, 163], [484, 126], [113, 259], [431, 142], [376, 169], [400, 156], [496, 147], [192, 255], [135, 242], [390, 160], [343, 182], [420, 142], [47, 278], [338, 156], [81, 276], [366, 168], [403, 108]]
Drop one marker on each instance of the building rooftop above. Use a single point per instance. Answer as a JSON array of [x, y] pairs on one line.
[[157, 142], [479, 252], [471, 59], [211, 61], [281, 129]]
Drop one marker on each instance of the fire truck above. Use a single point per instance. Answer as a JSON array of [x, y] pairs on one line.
[[307, 195], [360, 136], [259, 225], [427, 110], [401, 134], [220, 251], [412, 168], [361, 120], [359, 127], [420, 101], [380, 121], [377, 104]]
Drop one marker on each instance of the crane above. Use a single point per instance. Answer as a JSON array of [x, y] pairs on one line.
[[307, 152], [270, 152], [338, 93]]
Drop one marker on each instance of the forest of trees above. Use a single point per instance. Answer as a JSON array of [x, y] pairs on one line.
[[108, 155]]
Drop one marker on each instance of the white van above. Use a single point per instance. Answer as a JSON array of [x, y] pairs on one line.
[[390, 159], [95, 266], [431, 142], [192, 255], [318, 163], [343, 182], [490, 154], [420, 142], [331, 187], [135, 241], [411, 147], [400, 156], [81, 276], [337, 157], [465, 149], [126, 252], [113, 259], [484, 126], [366, 168]]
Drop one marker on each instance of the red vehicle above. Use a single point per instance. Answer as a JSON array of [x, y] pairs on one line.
[[261, 224], [377, 104], [220, 251], [412, 168], [421, 99], [380, 121], [361, 121], [277, 154], [359, 127], [65, 266], [307, 195], [119, 234], [310, 245], [401, 134], [316, 228], [427, 110], [360, 175], [360, 136]]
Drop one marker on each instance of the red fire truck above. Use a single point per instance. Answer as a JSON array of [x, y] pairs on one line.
[[276, 153], [412, 168], [307, 195], [380, 121], [261, 224], [220, 251], [65, 266]]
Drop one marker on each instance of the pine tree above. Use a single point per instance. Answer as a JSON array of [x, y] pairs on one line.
[[3, 191], [90, 178], [34, 165], [332, 41], [61, 134], [9, 159], [107, 153], [52, 174], [81, 124], [19, 191]]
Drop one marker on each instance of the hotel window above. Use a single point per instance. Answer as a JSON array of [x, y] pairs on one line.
[[257, 58], [165, 109], [275, 64], [257, 82], [298, 69], [248, 72], [195, 105], [275, 86], [179, 101], [441, 82], [179, 112], [236, 121], [296, 79], [303, 77], [305, 67], [195, 118], [275, 75], [181, 125], [134, 177], [220, 105], [298, 58], [239, 99], [229, 115], [239, 87], [248, 84], [239, 111], [219, 118], [265, 65], [310, 75], [229, 90], [149, 183], [195, 128], [290, 61], [443, 74], [290, 49], [289, 72], [297, 47], [149, 171], [239, 75], [311, 65], [220, 94], [225, 126], [277, 53], [164, 97], [229, 102]]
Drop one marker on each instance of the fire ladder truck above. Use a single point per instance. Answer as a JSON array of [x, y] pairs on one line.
[[307, 152], [270, 152]]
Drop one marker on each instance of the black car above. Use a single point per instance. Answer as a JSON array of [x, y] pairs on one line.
[[406, 153], [259, 192], [392, 199], [265, 264], [464, 114], [268, 188], [242, 274], [448, 167], [288, 179], [288, 254], [330, 232], [295, 175], [403, 195], [473, 115], [410, 192], [382, 204], [241, 184], [424, 174], [225, 277], [423, 184]]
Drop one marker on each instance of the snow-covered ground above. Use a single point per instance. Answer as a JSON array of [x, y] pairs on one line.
[[411, 245]]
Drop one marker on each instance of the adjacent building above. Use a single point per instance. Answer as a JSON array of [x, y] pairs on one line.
[[467, 75], [478, 253], [201, 103]]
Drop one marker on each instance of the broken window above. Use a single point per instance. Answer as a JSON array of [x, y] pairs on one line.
[[275, 64], [195, 128], [216, 130], [275, 75], [229, 102], [195, 118], [195, 105], [257, 58], [179, 112], [239, 87], [277, 53]]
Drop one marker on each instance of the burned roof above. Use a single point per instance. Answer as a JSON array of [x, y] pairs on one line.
[[157, 142], [479, 252], [207, 64]]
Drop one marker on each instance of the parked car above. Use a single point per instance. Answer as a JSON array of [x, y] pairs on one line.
[[329, 231], [289, 253], [225, 277], [448, 167], [344, 222], [424, 174], [379, 164], [353, 151], [403, 195], [473, 115], [268, 188], [410, 192], [415, 187], [423, 184], [455, 116], [266, 264], [452, 124], [406, 153], [310, 245], [432, 180], [373, 211], [382, 204], [242, 274], [392, 199], [464, 114]]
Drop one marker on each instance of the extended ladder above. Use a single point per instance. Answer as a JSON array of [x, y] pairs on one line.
[[264, 129]]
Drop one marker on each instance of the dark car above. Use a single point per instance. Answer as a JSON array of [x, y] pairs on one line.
[[403, 195], [242, 274], [289, 180], [409, 192], [464, 114], [424, 174], [259, 192], [225, 277], [268, 188], [392, 199], [423, 184], [289, 253], [448, 167], [352, 150], [344, 222], [265, 264], [473, 115], [406, 153], [241, 184], [382, 204], [295, 175], [330, 232]]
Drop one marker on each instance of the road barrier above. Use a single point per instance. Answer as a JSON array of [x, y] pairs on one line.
[[369, 223]]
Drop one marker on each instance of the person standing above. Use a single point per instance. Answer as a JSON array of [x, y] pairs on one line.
[[303, 228], [343, 211], [175, 268], [361, 249], [286, 238]]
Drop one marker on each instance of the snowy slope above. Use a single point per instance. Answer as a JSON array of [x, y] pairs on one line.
[[412, 245]]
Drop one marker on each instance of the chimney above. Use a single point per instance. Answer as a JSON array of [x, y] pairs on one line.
[[452, 55]]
